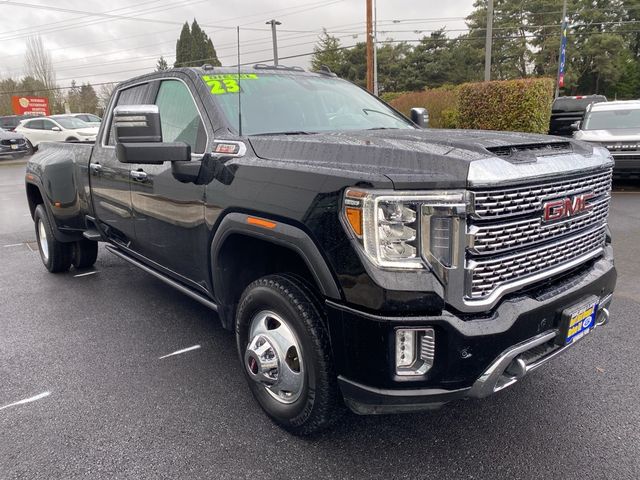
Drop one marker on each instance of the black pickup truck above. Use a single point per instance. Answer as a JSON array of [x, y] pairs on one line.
[[359, 258]]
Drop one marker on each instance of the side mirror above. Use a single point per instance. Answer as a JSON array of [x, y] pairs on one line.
[[138, 135], [575, 126], [56, 129], [420, 117]]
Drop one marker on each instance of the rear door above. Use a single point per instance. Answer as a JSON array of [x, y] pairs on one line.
[[34, 131], [169, 215], [110, 179]]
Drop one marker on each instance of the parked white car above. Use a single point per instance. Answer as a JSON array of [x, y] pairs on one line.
[[90, 118], [615, 126], [56, 128]]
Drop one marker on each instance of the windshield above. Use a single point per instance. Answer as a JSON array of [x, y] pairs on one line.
[[612, 119], [281, 103], [71, 122]]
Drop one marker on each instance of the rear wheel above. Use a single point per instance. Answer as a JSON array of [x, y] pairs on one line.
[[85, 253], [55, 255], [284, 347]]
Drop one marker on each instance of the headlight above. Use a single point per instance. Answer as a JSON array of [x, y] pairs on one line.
[[405, 229]]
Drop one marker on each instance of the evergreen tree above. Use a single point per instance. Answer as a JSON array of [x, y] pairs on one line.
[[162, 65], [195, 48], [183, 46], [88, 99], [327, 52]]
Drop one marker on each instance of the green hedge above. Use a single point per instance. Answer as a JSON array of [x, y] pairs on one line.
[[514, 105], [441, 103], [518, 105], [391, 96]]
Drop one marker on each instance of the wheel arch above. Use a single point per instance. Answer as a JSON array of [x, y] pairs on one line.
[[242, 252], [34, 197]]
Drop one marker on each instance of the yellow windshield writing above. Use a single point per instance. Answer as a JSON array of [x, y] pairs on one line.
[[226, 83]]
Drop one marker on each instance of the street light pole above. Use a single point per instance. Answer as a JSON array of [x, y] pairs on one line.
[[488, 43], [274, 37]]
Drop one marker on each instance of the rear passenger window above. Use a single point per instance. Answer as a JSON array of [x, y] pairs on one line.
[[179, 116], [131, 96], [35, 125]]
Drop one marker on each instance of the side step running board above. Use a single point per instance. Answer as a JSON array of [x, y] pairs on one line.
[[92, 235], [187, 291]]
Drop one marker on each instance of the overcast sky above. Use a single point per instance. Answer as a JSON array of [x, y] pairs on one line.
[[94, 41]]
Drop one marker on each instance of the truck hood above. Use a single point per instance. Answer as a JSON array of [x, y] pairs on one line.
[[414, 159], [613, 135]]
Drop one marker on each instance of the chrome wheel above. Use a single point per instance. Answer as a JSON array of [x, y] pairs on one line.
[[273, 357], [42, 240]]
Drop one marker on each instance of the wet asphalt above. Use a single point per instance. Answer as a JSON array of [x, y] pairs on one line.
[[88, 349]]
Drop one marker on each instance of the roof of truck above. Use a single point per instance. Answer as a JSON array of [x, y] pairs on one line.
[[616, 105]]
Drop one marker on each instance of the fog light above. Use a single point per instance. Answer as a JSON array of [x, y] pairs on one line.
[[415, 350]]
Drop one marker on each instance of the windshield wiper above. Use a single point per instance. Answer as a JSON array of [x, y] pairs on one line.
[[370, 110], [300, 132]]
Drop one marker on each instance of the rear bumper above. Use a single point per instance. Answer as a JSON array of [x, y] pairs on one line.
[[474, 357]]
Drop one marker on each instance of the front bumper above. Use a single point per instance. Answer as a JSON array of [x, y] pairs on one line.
[[7, 151], [475, 357], [627, 164]]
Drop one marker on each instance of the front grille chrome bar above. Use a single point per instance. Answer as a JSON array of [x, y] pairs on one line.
[[487, 278]]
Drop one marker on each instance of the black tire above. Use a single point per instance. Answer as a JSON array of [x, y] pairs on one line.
[[319, 404], [85, 253], [30, 147], [57, 258], [71, 139]]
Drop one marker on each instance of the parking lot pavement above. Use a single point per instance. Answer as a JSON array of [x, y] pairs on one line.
[[85, 352]]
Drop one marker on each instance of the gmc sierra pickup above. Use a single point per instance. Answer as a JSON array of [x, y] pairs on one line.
[[361, 260]]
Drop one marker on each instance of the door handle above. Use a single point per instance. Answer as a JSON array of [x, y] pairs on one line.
[[96, 168], [139, 176]]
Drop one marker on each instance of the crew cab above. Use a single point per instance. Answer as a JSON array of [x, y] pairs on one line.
[[360, 259], [615, 126]]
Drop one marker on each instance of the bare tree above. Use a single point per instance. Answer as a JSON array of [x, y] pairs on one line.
[[37, 62], [104, 94]]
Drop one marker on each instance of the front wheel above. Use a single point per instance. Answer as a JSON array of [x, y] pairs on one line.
[[284, 347], [55, 255]]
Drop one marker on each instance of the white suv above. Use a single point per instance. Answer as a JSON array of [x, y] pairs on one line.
[[56, 128], [615, 126]]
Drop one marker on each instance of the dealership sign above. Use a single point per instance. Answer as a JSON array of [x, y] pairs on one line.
[[30, 105]]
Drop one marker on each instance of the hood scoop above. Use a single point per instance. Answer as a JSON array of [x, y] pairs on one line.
[[529, 152]]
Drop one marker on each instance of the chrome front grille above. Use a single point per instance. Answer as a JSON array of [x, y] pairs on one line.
[[489, 275], [502, 203], [495, 238], [509, 244]]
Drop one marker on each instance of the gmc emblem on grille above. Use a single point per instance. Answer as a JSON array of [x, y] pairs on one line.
[[567, 207]]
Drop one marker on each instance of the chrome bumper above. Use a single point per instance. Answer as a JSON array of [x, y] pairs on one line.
[[512, 364]]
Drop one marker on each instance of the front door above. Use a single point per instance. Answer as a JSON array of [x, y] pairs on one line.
[[110, 179], [169, 215]]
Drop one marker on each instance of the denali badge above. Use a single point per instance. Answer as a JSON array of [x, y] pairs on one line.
[[567, 207]]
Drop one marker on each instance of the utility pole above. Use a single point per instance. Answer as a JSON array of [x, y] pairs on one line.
[[369, 46], [562, 56], [375, 48], [274, 37], [489, 42]]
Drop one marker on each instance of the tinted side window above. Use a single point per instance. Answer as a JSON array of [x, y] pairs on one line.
[[35, 125], [131, 96], [179, 116], [47, 124]]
